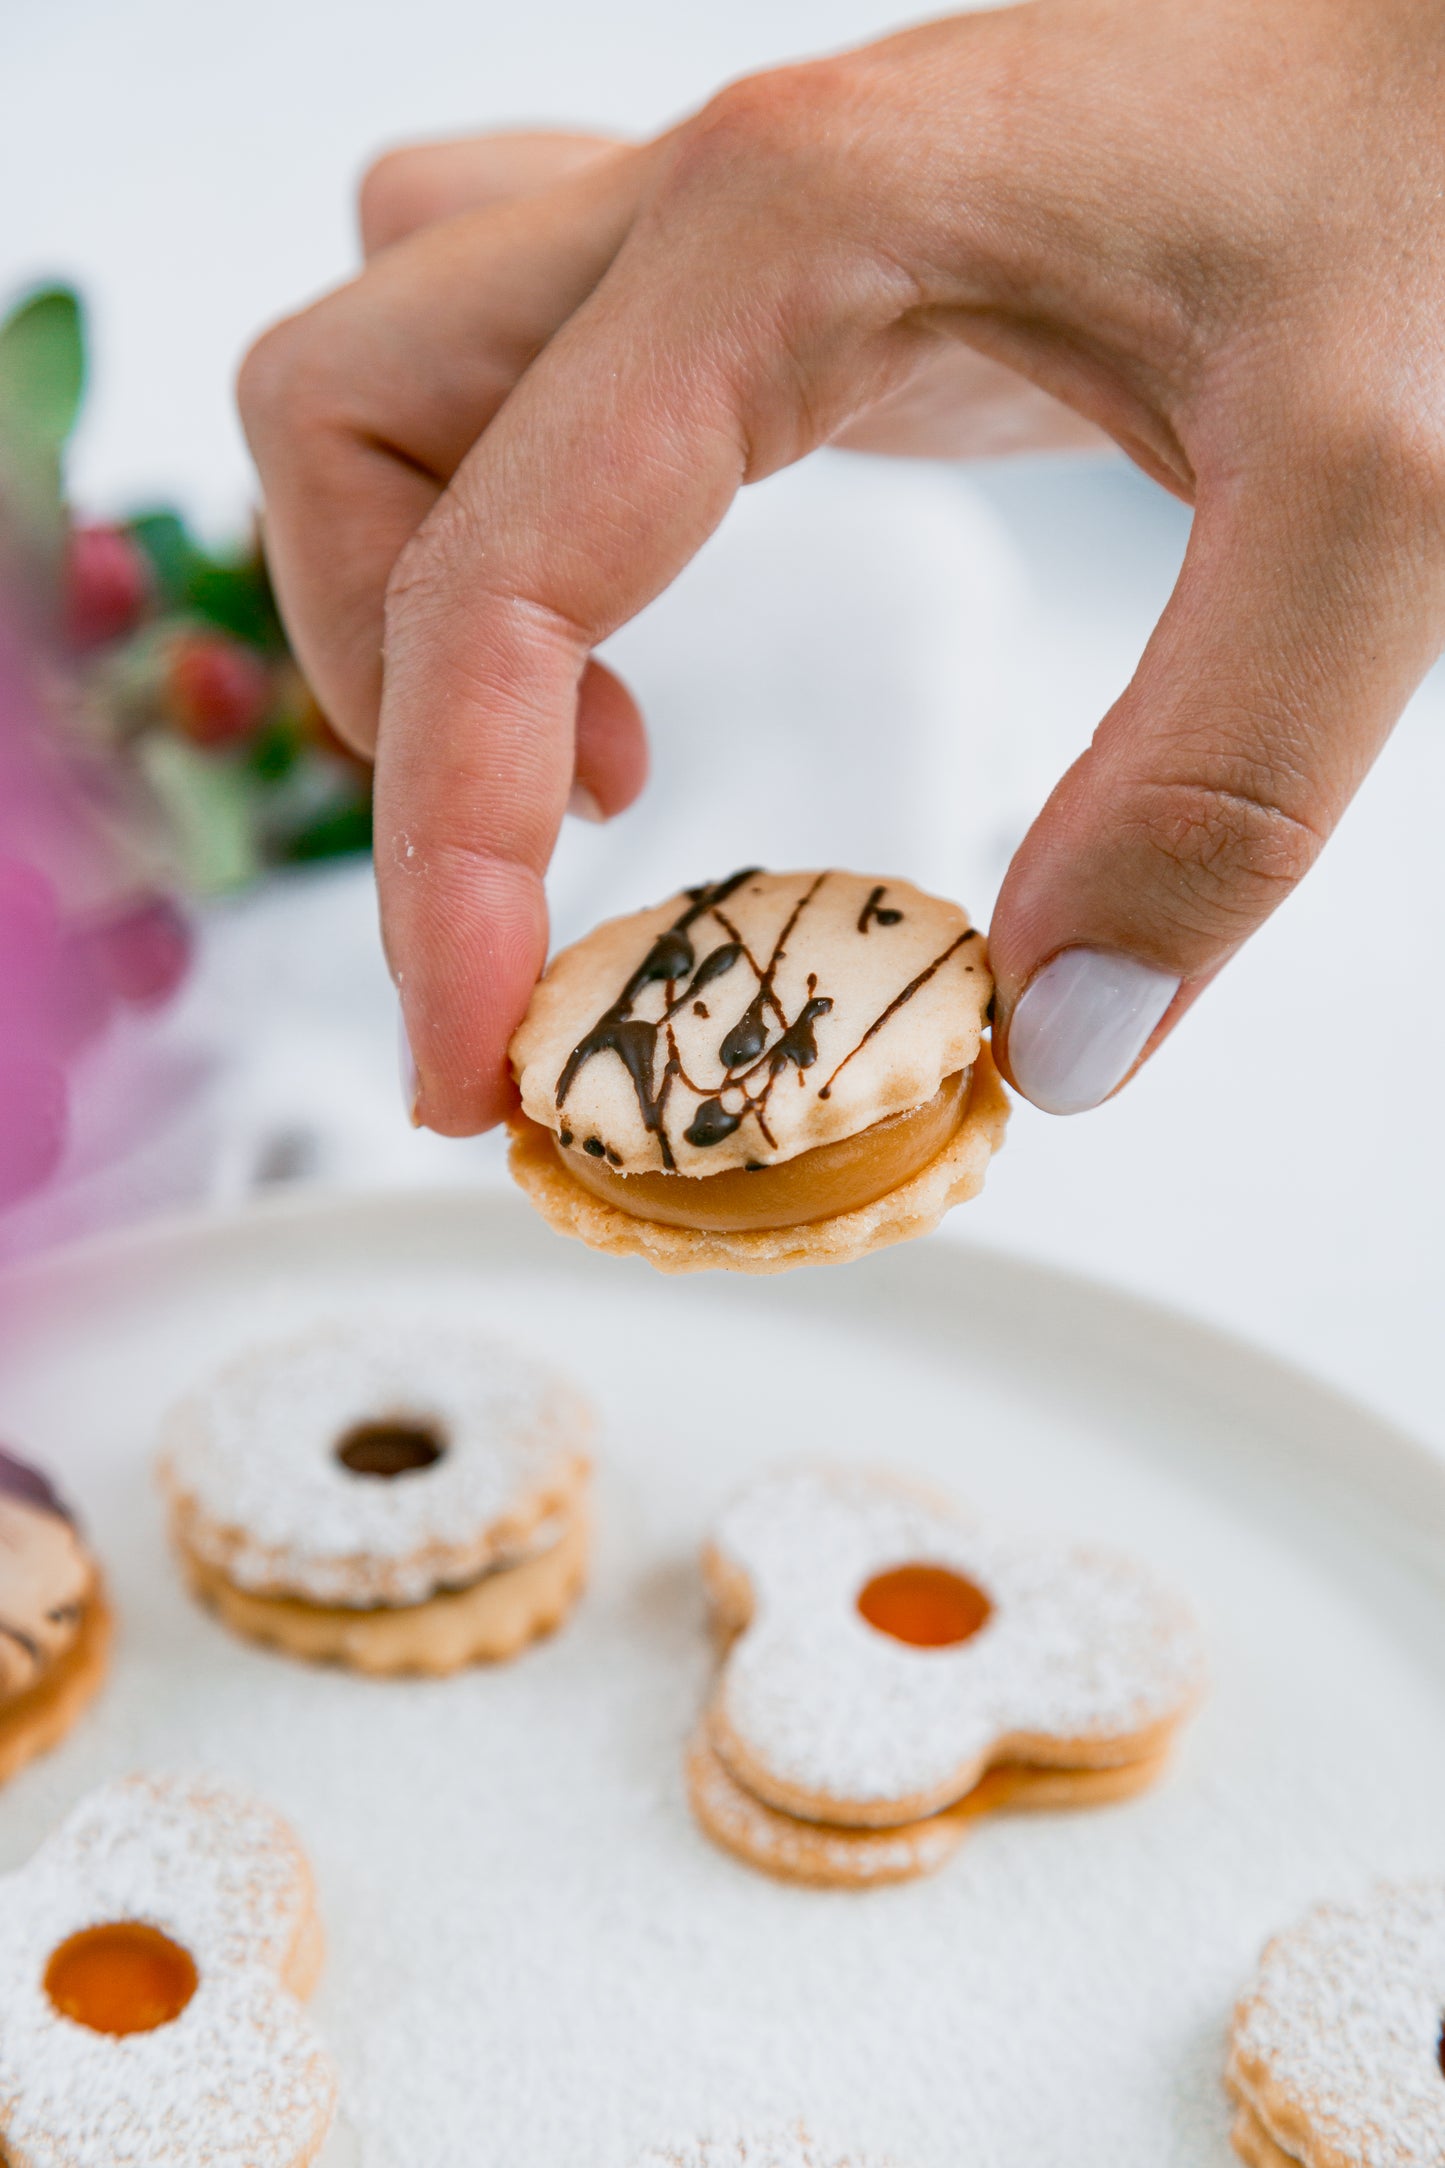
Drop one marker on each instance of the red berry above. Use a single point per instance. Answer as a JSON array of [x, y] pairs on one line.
[[107, 585], [143, 950], [33, 1121], [216, 689]]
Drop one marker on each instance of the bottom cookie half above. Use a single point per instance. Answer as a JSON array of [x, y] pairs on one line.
[[1253, 2143], [496, 1617], [913, 1208], [835, 1858], [40, 1719]]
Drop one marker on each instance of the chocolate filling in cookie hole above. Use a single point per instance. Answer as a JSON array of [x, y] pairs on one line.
[[121, 1978], [391, 1448], [926, 1606]]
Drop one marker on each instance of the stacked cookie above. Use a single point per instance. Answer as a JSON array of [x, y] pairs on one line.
[[399, 1499], [893, 1670], [55, 1626]]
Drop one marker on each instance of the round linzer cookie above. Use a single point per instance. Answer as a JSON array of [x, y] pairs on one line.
[[1336, 2056], [772, 1070], [153, 1958], [55, 1625], [894, 1670], [778, 2149], [393, 1498]]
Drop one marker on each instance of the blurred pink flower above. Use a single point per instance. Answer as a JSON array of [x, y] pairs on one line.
[[85, 924]]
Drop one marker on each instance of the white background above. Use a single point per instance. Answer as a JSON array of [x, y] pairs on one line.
[[922, 651]]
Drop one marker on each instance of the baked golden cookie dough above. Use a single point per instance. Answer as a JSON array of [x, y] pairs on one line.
[[154, 1955], [397, 1499], [1337, 2050], [772, 1070], [893, 1670], [55, 1625]]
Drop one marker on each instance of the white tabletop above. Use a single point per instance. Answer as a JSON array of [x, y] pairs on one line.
[[919, 650]]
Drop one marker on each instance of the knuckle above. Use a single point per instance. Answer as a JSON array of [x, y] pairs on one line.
[[387, 197], [1228, 849], [765, 125], [281, 386]]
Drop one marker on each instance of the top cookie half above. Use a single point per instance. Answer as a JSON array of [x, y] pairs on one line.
[[746, 1021]]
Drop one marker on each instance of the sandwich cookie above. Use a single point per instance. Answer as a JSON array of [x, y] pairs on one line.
[[154, 1955], [55, 1625], [771, 1070], [893, 1670], [1337, 2053], [397, 1499]]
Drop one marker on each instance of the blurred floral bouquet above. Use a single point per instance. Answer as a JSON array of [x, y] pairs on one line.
[[156, 741], [167, 654]]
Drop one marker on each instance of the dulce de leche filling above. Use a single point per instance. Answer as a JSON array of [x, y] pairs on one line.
[[832, 1178]]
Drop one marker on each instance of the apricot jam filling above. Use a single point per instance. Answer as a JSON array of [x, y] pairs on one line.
[[832, 1178], [927, 1606], [121, 1978]]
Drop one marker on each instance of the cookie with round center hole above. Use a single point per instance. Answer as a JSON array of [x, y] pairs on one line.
[[55, 1624], [154, 1955], [1337, 2055], [770, 1070], [893, 1670], [396, 1498]]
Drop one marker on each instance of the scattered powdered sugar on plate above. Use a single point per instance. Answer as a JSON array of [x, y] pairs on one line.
[[784, 2149], [535, 1957], [237, 2080], [1339, 2037], [250, 1466], [1083, 1647]]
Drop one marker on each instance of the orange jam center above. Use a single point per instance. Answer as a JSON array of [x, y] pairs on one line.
[[926, 1606], [122, 1978], [389, 1448]]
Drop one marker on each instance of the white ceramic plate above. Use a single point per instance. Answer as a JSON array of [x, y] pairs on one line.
[[535, 1957]]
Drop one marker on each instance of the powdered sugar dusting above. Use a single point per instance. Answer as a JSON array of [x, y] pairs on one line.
[[249, 1462], [1083, 1646], [785, 2149], [1340, 2034], [811, 1851], [237, 2080]]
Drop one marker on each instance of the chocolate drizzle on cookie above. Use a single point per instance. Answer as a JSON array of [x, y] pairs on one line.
[[872, 911], [20, 1481], [632, 1038], [897, 1003], [23, 1485], [755, 1049]]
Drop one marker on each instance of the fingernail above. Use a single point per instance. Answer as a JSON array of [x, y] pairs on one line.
[[1081, 1024], [581, 802], [406, 1070]]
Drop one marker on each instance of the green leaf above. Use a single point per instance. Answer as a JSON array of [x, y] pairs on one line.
[[42, 368], [236, 596], [167, 542], [274, 755], [209, 804], [337, 833]]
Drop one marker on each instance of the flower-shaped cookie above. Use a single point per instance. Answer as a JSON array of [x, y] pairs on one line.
[[891, 1659], [1336, 2051], [152, 1957]]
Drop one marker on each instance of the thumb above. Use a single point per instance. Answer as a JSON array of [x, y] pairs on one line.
[[1297, 631]]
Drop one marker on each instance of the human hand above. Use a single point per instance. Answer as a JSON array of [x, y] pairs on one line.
[[1209, 230]]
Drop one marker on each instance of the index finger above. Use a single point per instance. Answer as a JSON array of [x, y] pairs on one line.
[[608, 466]]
